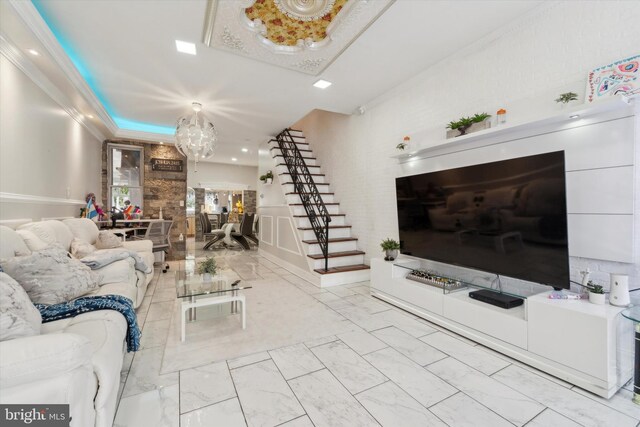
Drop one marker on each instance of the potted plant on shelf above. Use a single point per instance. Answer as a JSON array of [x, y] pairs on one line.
[[596, 293], [466, 125], [208, 269], [267, 178], [390, 248], [566, 98], [404, 144]]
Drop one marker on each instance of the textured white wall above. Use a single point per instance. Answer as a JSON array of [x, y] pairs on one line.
[[43, 151], [521, 68], [209, 173]]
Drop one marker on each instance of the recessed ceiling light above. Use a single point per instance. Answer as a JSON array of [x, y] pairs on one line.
[[574, 116], [33, 52], [233, 159], [322, 84], [90, 116], [161, 143], [245, 150], [186, 47]]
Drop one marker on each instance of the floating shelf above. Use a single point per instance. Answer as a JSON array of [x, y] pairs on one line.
[[568, 116]]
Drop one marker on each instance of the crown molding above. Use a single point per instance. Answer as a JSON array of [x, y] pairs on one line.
[[31, 17], [40, 200], [144, 136], [9, 50]]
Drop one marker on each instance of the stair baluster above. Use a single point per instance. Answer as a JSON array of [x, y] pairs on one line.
[[307, 190]]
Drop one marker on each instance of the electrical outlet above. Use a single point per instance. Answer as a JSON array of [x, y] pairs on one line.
[[181, 202], [68, 192]]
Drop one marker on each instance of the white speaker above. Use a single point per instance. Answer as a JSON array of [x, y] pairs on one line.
[[619, 290]]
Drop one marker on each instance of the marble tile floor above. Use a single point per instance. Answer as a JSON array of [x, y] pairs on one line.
[[389, 368]]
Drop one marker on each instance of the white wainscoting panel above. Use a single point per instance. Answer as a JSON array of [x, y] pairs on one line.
[[266, 229], [600, 191], [605, 237], [286, 238]]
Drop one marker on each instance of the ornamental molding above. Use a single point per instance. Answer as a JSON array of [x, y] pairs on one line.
[[228, 28]]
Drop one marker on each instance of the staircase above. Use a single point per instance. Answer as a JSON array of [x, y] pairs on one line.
[[328, 244]]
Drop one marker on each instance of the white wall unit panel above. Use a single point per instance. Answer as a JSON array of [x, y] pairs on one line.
[[286, 236], [604, 237], [266, 229], [600, 191]]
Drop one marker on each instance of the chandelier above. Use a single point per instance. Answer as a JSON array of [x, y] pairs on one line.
[[195, 135]]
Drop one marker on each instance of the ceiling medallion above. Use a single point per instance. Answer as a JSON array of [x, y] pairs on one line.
[[304, 10], [260, 30]]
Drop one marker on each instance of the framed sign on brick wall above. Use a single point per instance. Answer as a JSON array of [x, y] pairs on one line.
[[166, 165]]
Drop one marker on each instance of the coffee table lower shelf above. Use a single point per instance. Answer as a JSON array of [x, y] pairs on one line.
[[192, 303]]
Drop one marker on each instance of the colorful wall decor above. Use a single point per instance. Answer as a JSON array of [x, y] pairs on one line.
[[621, 77]]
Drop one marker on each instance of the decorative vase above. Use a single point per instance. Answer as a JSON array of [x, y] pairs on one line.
[[619, 290], [269, 180], [596, 298], [391, 254], [207, 277]]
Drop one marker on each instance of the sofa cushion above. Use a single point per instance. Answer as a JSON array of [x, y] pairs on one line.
[[83, 229], [33, 242], [108, 240], [51, 276], [62, 233], [81, 248], [42, 230], [18, 316], [11, 243]]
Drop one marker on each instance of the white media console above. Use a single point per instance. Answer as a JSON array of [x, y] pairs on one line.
[[584, 344]]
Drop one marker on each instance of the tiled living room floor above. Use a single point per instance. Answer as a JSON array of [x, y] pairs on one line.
[[386, 367]]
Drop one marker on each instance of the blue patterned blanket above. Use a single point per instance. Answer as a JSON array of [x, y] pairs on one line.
[[81, 305]]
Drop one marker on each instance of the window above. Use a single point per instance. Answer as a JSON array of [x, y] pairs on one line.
[[191, 201], [125, 175]]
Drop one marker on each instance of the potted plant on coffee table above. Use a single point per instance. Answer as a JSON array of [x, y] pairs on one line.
[[390, 248], [208, 269], [596, 293]]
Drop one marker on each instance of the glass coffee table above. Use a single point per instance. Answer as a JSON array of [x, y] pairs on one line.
[[633, 314], [196, 291]]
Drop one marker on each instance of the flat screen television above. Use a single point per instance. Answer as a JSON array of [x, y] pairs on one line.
[[507, 217]]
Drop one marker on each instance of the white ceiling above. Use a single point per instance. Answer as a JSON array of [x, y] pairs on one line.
[[128, 48]]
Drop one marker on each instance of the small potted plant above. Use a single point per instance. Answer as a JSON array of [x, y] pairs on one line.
[[596, 293], [267, 178], [566, 98], [208, 269], [466, 125], [404, 144], [390, 248]]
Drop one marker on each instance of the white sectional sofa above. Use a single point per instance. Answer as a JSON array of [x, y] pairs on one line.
[[75, 360]]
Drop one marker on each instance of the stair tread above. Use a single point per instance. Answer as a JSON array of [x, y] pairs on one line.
[[295, 142], [299, 149], [308, 158], [334, 240], [331, 226], [326, 194], [308, 166], [337, 254], [343, 269], [312, 174], [316, 183], [300, 204], [305, 216]]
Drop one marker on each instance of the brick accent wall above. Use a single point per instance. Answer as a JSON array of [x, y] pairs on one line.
[[199, 203], [161, 189], [249, 201]]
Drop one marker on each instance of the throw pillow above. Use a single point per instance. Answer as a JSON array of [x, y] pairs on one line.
[[18, 316], [33, 242], [80, 248], [108, 240], [51, 276]]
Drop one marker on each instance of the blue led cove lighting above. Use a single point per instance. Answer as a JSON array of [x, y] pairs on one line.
[[123, 124]]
